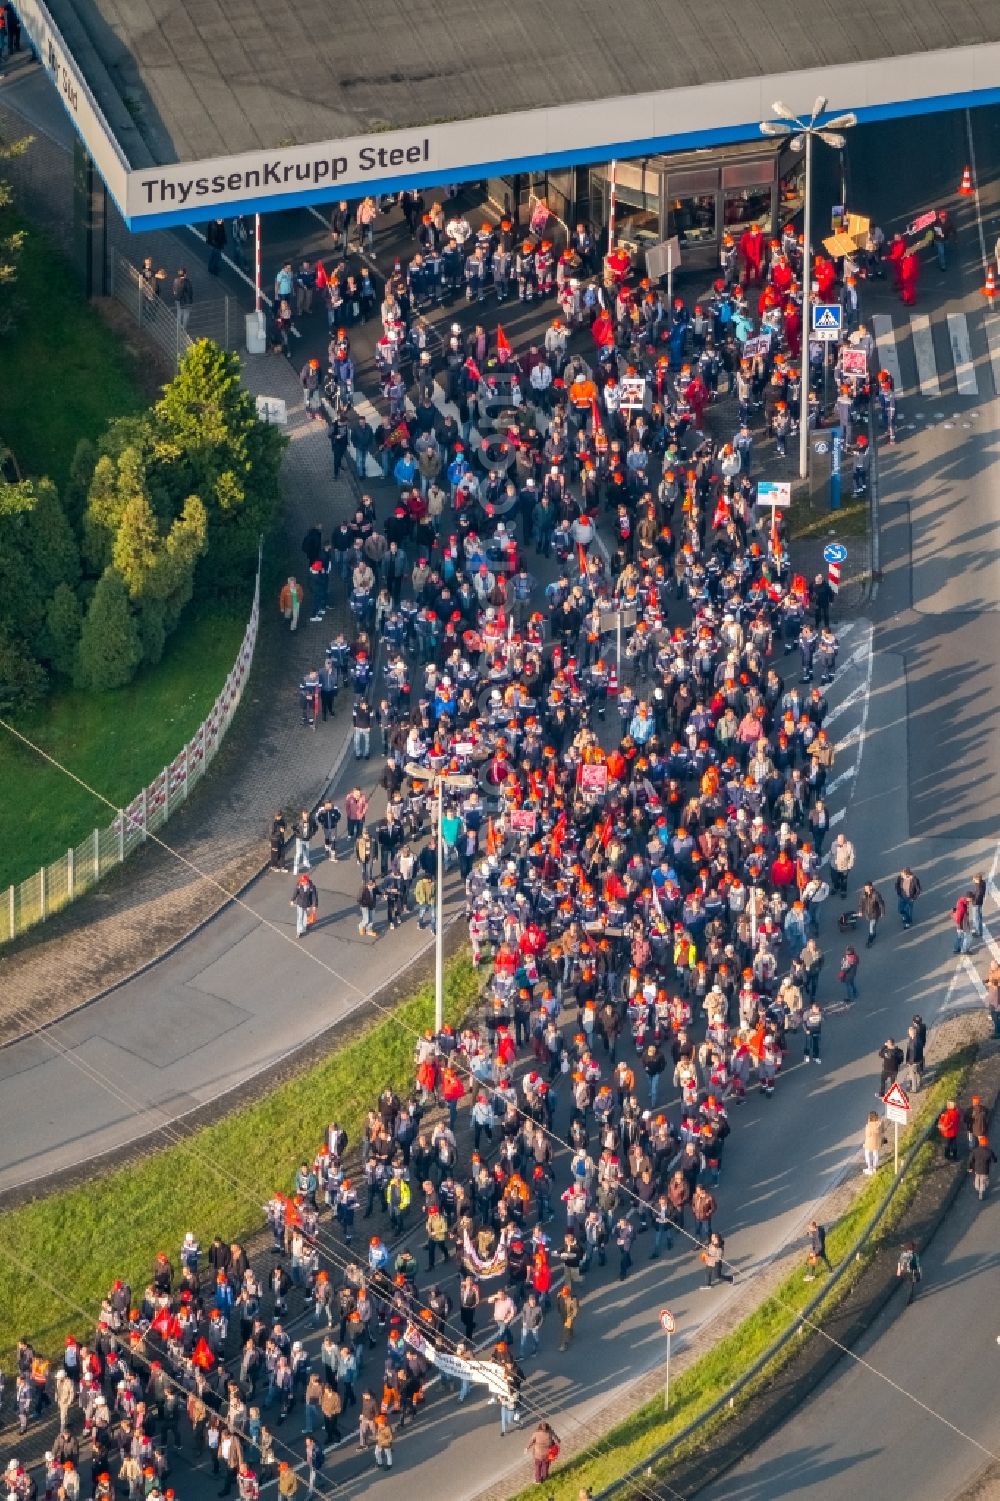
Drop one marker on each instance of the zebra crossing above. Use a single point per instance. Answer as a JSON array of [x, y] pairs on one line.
[[940, 355]]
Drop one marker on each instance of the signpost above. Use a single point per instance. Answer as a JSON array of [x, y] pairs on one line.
[[835, 556], [897, 1110], [620, 620], [668, 1324], [827, 322]]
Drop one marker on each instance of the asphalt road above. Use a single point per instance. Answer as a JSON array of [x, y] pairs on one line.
[[915, 1414], [238, 996]]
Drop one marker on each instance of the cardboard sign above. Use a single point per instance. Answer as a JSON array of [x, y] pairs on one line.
[[854, 362], [633, 388], [594, 779], [758, 345]]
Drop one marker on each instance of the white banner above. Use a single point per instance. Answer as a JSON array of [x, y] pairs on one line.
[[485, 1266], [489, 1373]]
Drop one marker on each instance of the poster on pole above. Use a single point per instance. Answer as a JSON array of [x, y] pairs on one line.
[[523, 820]]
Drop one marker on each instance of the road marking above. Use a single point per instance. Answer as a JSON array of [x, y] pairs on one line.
[[923, 353], [991, 944], [993, 340], [848, 703], [888, 356], [961, 353]]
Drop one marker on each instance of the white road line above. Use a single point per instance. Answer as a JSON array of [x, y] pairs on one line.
[[838, 817], [991, 944], [923, 353], [851, 738], [888, 355], [993, 340], [848, 703], [961, 353]]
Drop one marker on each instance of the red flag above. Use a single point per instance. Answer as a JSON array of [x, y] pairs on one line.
[[596, 412], [503, 343], [581, 558], [203, 1356]]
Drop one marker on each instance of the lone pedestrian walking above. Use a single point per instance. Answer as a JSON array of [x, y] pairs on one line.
[[908, 1266], [908, 888], [817, 1251], [543, 1446], [872, 909], [305, 900], [981, 1159], [872, 1142]]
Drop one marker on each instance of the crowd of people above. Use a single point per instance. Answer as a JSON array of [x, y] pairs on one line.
[[641, 838]]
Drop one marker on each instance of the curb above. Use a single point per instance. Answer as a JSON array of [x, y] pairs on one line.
[[816, 1356]]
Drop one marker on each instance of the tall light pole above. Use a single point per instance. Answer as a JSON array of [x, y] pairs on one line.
[[460, 783], [802, 132]]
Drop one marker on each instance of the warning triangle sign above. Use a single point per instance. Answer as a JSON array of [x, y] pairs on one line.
[[827, 319], [896, 1096]]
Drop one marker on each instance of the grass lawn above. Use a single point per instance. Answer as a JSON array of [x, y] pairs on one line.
[[65, 375], [850, 520], [115, 741], [703, 1383], [215, 1182]]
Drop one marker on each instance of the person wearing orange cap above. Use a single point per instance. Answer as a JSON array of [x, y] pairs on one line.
[[311, 381], [981, 1159]]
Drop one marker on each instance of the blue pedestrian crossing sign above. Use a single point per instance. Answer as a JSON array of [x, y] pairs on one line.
[[835, 552], [827, 321]]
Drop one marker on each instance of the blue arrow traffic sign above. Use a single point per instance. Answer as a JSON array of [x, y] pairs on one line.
[[835, 552], [827, 315]]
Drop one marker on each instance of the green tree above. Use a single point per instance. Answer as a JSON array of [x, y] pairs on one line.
[[11, 239], [81, 472], [63, 621], [22, 678], [37, 553], [158, 571], [207, 423], [110, 648]]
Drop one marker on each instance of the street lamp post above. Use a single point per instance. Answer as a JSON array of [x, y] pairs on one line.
[[802, 133], [460, 783]]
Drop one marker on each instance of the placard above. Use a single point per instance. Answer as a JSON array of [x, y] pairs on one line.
[[523, 820], [594, 778], [760, 344], [633, 392], [854, 362]]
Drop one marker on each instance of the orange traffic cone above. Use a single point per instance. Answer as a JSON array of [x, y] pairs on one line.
[[966, 188], [612, 682], [990, 289]]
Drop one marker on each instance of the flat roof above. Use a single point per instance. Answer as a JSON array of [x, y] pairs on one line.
[[215, 84]]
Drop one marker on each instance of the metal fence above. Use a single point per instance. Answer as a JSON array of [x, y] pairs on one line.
[[80, 868], [156, 315]]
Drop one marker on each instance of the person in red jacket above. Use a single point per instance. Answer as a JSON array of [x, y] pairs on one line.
[[752, 251], [949, 1125]]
